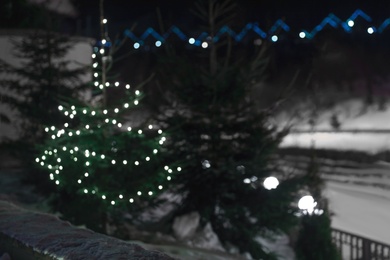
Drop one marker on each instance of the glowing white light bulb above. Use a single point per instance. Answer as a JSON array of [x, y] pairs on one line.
[[104, 197], [302, 35], [104, 21], [136, 45], [158, 43], [351, 23], [127, 86], [307, 203], [120, 196], [136, 162], [131, 200], [271, 183], [274, 38], [205, 45], [191, 40]]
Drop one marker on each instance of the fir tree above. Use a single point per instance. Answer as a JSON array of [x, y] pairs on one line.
[[315, 232], [221, 138], [36, 87], [101, 159]]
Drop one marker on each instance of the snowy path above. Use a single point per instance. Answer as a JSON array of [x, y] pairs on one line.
[[364, 211]]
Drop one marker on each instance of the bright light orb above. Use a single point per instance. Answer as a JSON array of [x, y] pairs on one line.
[[274, 38], [270, 183], [307, 203], [191, 41], [350, 23], [302, 35], [370, 30]]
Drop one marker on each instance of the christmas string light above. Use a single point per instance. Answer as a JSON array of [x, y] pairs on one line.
[[80, 164], [280, 25]]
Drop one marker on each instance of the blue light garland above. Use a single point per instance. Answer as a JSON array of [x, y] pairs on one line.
[[331, 20]]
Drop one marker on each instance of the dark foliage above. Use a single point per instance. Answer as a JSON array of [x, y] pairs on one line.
[[221, 138]]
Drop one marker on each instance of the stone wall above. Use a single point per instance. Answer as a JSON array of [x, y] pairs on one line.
[[30, 235]]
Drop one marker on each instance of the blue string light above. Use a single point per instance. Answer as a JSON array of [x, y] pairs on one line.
[[331, 20]]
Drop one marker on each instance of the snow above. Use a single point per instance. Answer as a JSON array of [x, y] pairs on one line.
[[185, 226], [64, 7], [363, 211], [359, 195], [362, 129]]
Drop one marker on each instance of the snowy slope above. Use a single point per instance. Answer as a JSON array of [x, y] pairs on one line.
[[358, 193]]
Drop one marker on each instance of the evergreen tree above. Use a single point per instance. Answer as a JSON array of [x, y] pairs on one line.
[[315, 232], [220, 137], [35, 86], [101, 159], [44, 77]]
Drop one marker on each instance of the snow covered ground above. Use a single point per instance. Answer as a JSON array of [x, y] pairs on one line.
[[361, 211], [359, 194]]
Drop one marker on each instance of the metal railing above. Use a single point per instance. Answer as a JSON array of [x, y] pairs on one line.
[[354, 247]]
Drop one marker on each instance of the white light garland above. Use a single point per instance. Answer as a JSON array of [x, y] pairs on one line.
[[54, 158]]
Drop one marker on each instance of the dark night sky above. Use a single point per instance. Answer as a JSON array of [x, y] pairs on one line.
[[299, 14]]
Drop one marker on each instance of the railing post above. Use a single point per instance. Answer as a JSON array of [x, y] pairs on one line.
[[366, 249]]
